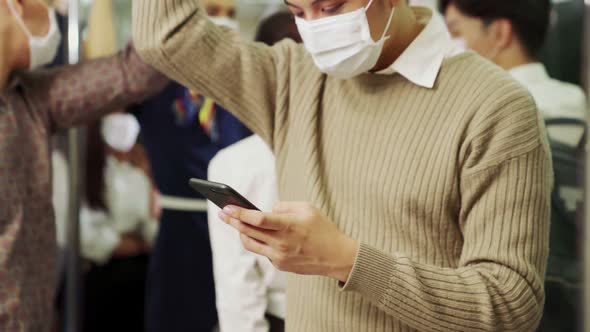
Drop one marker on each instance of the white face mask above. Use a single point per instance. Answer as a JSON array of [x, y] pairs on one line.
[[341, 45], [224, 21], [120, 131], [42, 49]]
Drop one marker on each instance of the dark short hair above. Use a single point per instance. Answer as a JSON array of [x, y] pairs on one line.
[[277, 27], [529, 18]]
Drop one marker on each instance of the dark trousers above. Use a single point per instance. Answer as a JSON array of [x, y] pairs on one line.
[[114, 295], [180, 288], [563, 309]]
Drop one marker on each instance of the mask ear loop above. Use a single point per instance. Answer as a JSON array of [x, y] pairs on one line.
[[18, 19], [368, 5], [388, 23]]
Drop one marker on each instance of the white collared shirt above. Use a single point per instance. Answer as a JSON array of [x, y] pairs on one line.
[[421, 61], [555, 99], [127, 195], [247, 285]]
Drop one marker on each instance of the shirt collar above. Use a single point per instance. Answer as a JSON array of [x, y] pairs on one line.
[[420, 63], [526, 74]]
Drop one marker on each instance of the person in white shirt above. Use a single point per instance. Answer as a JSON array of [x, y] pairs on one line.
[[247, 286], [250, 292], [511, 33], [118, 216], [118, 223]]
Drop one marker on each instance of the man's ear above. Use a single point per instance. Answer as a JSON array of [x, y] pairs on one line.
[[503, 33]]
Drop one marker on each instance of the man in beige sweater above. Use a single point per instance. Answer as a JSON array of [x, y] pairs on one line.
[[425, 171]]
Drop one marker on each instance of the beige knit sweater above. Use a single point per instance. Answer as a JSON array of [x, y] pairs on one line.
[[447, 188]]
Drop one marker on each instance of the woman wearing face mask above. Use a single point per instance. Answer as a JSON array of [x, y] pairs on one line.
[[33, 105], [119, 222], [424, 173]]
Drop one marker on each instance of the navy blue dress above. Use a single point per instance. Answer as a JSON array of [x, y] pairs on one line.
[[180, 286]]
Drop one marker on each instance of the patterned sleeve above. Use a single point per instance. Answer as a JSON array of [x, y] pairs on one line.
[[78, 94]]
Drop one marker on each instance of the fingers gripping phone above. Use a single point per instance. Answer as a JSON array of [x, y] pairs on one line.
[[220, 194]]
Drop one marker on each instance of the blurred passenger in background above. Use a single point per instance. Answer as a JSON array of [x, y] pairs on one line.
[[250, 292], [119, 222], [182, 130], [511, 33], [34, 104], [119, 215]]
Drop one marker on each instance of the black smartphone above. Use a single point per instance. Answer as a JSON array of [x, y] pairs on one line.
[[220, 194]]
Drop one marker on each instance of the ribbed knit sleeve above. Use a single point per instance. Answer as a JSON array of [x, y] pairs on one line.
[[498, 285], [176, 37]]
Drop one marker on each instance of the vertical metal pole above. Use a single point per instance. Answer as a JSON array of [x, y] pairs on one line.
[[586, 49], [586, 82], [73, 271]]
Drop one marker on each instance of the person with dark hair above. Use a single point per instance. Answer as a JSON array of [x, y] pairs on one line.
[[414, 179], [508, 32], [250, 292], [511, 33], [277, 27], [118, 225]]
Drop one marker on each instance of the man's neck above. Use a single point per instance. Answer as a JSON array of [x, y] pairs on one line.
[[402, 32], [514, 58]]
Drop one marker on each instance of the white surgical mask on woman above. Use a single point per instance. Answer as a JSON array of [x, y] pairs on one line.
[[224, 21], [42, 49], [120, 131], [341, 45]]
